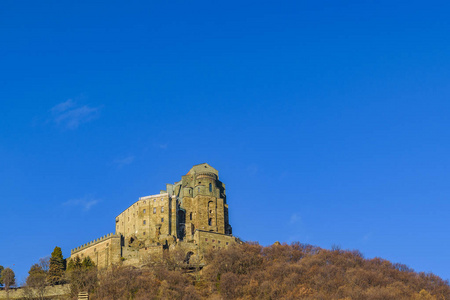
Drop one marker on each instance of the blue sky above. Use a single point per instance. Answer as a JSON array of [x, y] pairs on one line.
[[327, 120]]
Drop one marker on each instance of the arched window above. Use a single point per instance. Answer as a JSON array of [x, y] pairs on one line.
[[210, 187]]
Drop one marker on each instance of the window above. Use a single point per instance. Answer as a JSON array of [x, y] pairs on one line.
[[162, 208], [145, 222], [213, 241], [162, 220], [154, 210], [210, 187], [206, 239], [209, 221], [144, 234], [227, 243], [145, 211], [214, 247], [218, 242], [190, 216]]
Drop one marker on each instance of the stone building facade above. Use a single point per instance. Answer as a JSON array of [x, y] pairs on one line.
[[191, 214]]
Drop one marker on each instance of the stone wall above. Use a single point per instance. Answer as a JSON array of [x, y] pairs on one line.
[[104, 251], [51, 292]]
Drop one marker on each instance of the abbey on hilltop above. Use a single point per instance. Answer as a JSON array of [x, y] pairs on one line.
[[191, 214]]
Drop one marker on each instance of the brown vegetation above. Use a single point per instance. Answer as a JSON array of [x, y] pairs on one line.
[[250, 271]]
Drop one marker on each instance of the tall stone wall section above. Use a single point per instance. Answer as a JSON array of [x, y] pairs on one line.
[[104, 251]]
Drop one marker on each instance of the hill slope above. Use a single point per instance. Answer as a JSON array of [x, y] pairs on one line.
[[250, 271]]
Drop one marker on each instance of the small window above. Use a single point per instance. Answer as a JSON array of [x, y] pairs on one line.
[[162, 208], [214, 247], [218, 242], [145, 222], [145, 211], [209, 221], [210, 187], [162, 220], [154, 210], [144, 234], [213, 241], [190, 216], [227, 243], [206, 239]]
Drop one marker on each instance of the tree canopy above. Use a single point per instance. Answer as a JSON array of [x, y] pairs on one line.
[[8, 278]]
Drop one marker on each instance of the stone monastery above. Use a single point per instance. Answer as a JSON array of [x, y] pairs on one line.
[[191, 214]]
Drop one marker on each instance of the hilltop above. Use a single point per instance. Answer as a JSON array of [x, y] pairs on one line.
[[279, 271]]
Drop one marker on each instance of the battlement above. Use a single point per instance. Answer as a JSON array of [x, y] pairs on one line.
[[94, 242]]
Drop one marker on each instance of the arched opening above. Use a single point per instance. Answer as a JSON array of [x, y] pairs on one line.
[[188, 257]]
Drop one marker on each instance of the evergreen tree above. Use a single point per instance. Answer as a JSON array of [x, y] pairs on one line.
[[87, 263], [57, 267]]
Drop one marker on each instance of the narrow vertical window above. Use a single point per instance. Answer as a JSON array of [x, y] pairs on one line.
[[210, 187], [190, 216], [209, 221]]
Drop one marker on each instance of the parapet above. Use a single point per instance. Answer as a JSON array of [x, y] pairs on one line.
[[94, 242]]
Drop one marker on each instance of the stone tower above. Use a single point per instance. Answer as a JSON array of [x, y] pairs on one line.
[[201, 202]]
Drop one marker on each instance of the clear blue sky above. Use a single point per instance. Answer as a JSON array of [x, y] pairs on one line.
[[327, 120]]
